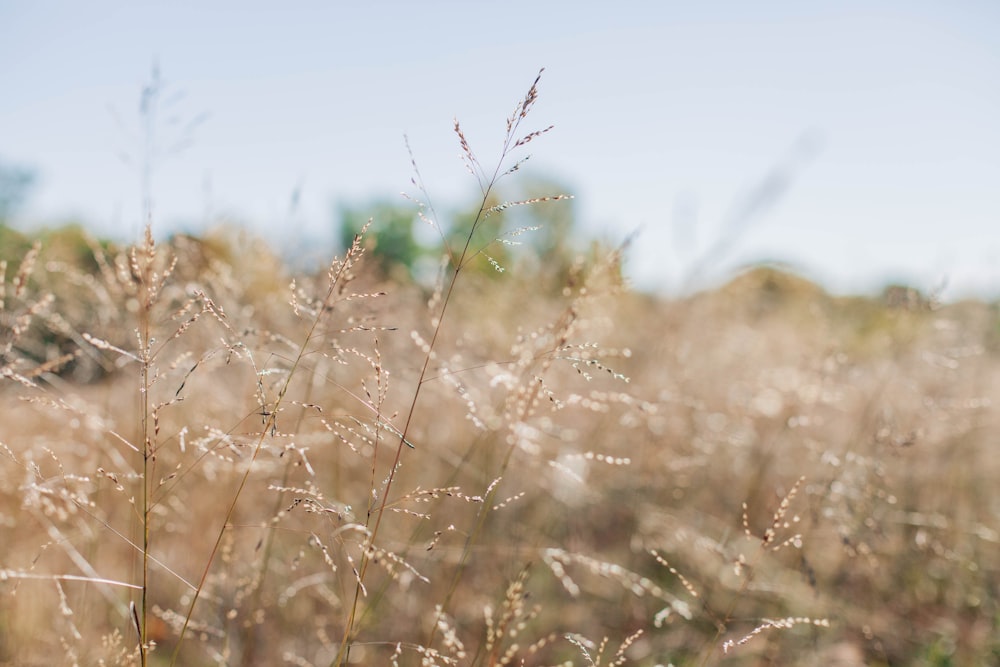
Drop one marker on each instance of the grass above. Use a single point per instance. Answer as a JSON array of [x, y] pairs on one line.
[[206, 460]]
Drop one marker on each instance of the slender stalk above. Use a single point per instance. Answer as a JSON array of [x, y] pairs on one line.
[[145, 276], [487, 183], [146, 475], [146, 290]]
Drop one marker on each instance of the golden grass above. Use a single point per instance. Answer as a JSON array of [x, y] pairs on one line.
[[205, 460]]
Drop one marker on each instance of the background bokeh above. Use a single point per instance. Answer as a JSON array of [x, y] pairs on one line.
[[856, 142]]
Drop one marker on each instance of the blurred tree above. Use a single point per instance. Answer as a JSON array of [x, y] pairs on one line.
[[493, 257], [13, 245], [553, 238], [392, 231], [533, 226], [526, 226], [15, 184]]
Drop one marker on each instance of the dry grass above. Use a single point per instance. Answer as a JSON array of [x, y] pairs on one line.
[[204, 460]]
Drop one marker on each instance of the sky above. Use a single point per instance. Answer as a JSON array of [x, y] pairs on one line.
[[856, 142]]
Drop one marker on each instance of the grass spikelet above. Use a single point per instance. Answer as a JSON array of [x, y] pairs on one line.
[[24, 271], [503, 625], [777, 624]]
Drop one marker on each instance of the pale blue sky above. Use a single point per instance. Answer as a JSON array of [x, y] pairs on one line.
[[667, 115]]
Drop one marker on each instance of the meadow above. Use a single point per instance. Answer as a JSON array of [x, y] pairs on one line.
[[207, 458]]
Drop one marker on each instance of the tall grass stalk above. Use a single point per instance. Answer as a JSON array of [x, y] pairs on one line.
[[148, 283], [146, 294], [487, 181], [339, 273]]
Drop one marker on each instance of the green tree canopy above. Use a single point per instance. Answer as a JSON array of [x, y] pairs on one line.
[[534, 226], [392, 231], [15, 184]]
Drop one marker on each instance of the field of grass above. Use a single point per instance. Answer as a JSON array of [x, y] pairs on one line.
[[206, 460]]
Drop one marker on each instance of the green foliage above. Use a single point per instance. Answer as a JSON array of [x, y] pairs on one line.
[[13, 244], [533, 226], [394, 244], [556, 236], [69, 244], [72, 245], [15, 184]]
